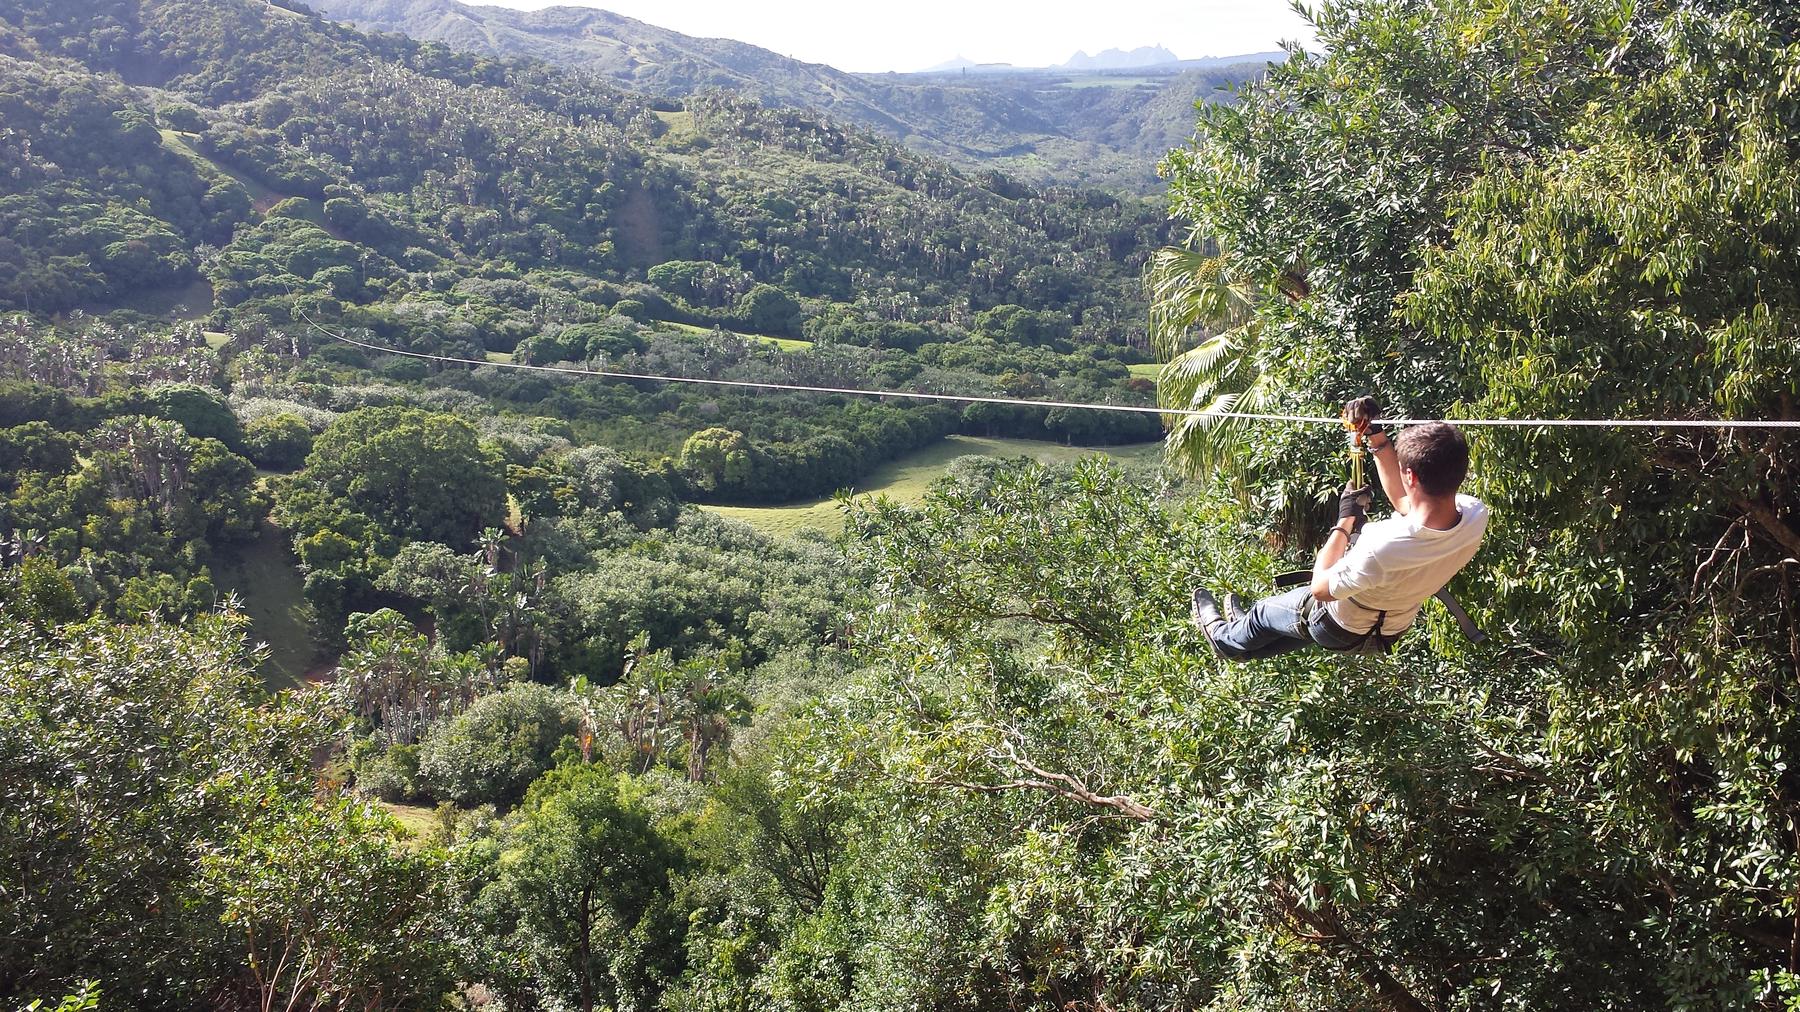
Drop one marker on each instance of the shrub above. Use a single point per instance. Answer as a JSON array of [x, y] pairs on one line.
[[391, 775], [766, 309], [491, 752], [184, 118], [278, 442], [202, 412]]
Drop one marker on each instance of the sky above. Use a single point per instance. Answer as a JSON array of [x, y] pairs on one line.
[[876, 37]]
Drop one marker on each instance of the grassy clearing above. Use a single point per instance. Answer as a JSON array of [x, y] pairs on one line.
[[784, 343], [1145, 370], [263, 574], [906, 480], [261, 197], [502, 357], [680, 124], [177, 304], [417, 821], [215, 340]]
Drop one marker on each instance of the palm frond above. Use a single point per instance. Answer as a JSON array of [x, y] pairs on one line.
[[1193, 293], [1202, 361], [1189, 289]]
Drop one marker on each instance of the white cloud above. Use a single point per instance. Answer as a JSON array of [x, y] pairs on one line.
[[873, 37]]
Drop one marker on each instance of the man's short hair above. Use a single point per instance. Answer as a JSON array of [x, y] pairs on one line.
[[1437, 455]]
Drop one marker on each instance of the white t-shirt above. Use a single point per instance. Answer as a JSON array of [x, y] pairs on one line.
[[1399, 562]]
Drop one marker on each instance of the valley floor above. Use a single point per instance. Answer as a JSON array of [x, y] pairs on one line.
[[906, 479]]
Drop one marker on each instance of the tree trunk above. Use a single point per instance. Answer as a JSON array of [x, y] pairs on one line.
[[584, 948]]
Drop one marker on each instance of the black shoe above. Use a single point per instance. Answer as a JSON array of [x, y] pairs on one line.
[[1206, 617], [1235, 608]]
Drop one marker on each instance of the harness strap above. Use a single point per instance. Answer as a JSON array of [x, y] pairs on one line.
[[1382, 640], [1379, 613], [1463, 621]]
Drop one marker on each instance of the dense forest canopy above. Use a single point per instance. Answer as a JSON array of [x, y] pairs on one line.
[[570, 742], [286, 175]]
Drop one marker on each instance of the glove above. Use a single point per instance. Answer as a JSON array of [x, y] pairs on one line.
[[1360, 413], [1355, 502]]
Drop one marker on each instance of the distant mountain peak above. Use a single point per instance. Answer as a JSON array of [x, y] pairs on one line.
[[1116, 59], [957, 62], [964, 63]]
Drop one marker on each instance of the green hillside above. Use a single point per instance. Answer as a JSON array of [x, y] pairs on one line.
[[390, 200], [314, 339], [1045, 127]]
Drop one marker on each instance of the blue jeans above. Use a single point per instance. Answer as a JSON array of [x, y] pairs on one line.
[[1286, 621]]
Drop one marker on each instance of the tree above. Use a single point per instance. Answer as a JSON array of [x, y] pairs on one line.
[[791, 832], [35, 446], [1312, 201], [35, 591], [196, 487], [184, 118], [766, 309], [611, 340], [583, 893], [718, 459], [1630, 277], [676, 712], [457, 589], [699, 282], [202, 412], [1015, 324], [85, 999], [392, 677], [103, 808], [330, 911], [418, 474], [491, 752], [278, 442], [1220, 375]]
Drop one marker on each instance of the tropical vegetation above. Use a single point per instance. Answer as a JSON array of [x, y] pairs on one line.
[[570, 742]]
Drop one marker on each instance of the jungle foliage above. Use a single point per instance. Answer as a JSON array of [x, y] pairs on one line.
[[310, 181], [971, 756]]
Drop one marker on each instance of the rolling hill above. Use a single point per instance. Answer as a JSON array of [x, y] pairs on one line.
[[1088, 125]]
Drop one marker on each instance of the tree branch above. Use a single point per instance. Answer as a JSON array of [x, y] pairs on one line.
[[1040, 779], [1324, 927], [1719, 550], [1772, 524]]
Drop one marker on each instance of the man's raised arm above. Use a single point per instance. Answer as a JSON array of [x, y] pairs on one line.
[[1381, 446]]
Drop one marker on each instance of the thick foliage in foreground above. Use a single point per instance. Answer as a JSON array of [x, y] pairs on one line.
[[123, 748], [1069, 799]]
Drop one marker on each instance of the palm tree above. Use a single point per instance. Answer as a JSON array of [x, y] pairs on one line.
[[713, 706], [1192, 290]]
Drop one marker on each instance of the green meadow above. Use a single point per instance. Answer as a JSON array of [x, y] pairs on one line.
[[262, 574], [906, 480], [784, 343]]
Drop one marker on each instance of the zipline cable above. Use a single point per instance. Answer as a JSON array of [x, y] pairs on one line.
[[1644, 423]]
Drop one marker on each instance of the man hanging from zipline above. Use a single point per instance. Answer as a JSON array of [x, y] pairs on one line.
[[1367, 581]]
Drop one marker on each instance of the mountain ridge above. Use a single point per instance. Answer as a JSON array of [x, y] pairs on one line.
[[1031, 123], [1120, 59]]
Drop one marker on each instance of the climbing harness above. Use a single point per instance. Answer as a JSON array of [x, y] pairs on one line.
[[1472, 632]]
